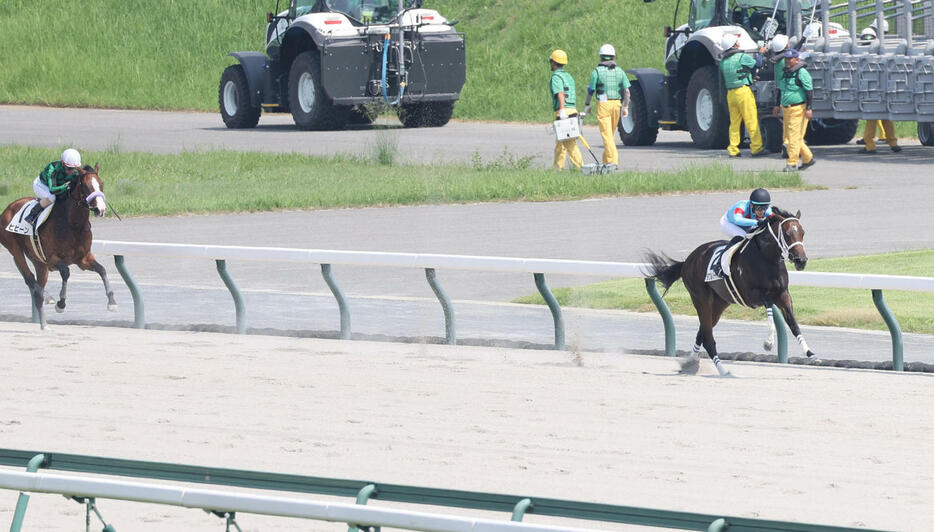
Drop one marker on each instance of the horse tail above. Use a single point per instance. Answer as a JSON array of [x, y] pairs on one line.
[[663, 268]]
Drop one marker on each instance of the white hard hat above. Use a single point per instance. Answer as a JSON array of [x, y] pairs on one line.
[[867, 34], [607, 49], [729, 39], [875, 25], [779, 42], [71, 158]]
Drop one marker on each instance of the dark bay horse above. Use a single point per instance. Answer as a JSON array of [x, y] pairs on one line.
[[758, 273], [64, 239]]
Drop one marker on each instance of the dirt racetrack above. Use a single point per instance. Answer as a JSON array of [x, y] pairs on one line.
[[828, 446]]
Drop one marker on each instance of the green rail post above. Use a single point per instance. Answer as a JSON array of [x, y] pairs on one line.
[[362, 497], [450, 335], [663, 309], [555, 309], [898, 358], [523, 506], [20, 513], [139, 313], [341, 300], [782, 340], [720, 525], [235, 293]]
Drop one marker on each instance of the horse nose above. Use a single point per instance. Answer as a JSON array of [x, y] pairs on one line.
[[800, 263]]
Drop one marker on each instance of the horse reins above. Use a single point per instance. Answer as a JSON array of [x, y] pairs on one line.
[[779, 237]]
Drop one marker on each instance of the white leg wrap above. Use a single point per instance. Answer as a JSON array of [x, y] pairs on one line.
[[772, 332], [720, 369], [695, 350], [803, 344]]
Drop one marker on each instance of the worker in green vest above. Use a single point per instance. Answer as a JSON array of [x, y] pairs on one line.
[[797, 91], [737, 68], [563, 97], [610, 84]]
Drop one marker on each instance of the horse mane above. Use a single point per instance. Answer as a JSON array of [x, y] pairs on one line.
[[781, 212]]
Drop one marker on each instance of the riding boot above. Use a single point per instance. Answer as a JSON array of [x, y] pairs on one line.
[[34, 214]]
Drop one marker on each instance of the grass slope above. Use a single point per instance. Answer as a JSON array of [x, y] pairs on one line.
[[813, 306], [218, 181]]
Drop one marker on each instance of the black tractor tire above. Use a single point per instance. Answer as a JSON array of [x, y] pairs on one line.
[[426, 114], [310, 105], [926, 133], [835, 132], [707, 114], [233, 97], [771, 130], [634, 130]]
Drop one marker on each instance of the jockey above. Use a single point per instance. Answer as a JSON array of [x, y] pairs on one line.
[[745, 215], [54, 180]]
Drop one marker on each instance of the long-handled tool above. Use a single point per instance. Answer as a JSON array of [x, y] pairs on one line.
[[598, 168]]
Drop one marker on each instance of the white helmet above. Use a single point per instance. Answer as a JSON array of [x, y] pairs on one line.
[[607, 49], [867, 34], [779, 42], [875, 25], [729, 40], [71, 158]]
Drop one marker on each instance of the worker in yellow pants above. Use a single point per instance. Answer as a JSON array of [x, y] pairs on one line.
[[564, 97], [797, 89], [609, 82], [796, 120], [869, 135], [737, 68]]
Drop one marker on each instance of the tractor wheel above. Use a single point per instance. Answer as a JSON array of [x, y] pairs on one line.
[[311, 108], [926, 133], [707, 115], [830, 131], [426, 114], [233, 96], [634, 130]]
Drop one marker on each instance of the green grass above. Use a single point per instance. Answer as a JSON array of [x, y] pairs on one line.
[[813, 306], [223, 181]]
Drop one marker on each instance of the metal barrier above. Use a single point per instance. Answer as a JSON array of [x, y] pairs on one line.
[[431, 262], [357, 515]]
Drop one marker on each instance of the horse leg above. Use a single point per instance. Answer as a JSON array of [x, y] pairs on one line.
[[784, 304], [36, 290], [90, 263], [769, 317], [42, 277], [65, 273], [717, 306]]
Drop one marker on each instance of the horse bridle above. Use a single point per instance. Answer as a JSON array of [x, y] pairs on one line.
[[779, 237]]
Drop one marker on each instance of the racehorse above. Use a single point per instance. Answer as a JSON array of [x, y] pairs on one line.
[[64, 239], [758, 274]]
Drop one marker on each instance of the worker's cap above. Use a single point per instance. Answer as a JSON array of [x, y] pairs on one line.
[[791, 52]]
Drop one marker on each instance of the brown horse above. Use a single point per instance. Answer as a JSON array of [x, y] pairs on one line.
[[64, 239], [757, 271]]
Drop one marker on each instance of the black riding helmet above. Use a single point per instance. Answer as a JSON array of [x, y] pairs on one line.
[[760, 196]]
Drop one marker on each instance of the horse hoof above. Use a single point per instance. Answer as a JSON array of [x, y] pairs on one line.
[[810, 354], [59, 309], [727, 375], [112, 308], [767, 345], [49, 300], [689, 366]]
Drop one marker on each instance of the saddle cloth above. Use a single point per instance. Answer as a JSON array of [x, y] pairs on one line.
[[18, 224], [719, 265]]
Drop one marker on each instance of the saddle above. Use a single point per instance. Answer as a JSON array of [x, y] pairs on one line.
[[20, 226], [718, 269]]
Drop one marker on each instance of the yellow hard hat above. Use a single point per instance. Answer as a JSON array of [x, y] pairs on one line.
[[560, 57]]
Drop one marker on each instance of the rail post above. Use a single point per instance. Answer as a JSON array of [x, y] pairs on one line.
[[555, 309], [782, 341], [235, 293], [521, 507], [898, 358], [139, 313], [450, 335], [663, 309], [362, 497], [20, 513], [341, 300]]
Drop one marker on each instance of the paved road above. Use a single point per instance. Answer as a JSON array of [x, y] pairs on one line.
[[864, 204]]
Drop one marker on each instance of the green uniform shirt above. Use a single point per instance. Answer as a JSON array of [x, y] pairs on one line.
[[611, 82], [734, 75], [794, 86], [561, 81], [779, 67], [55, 177]]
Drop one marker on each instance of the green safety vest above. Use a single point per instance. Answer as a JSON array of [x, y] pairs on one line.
[[737, 70], [794, 86], [611, 82], [561, 81]]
